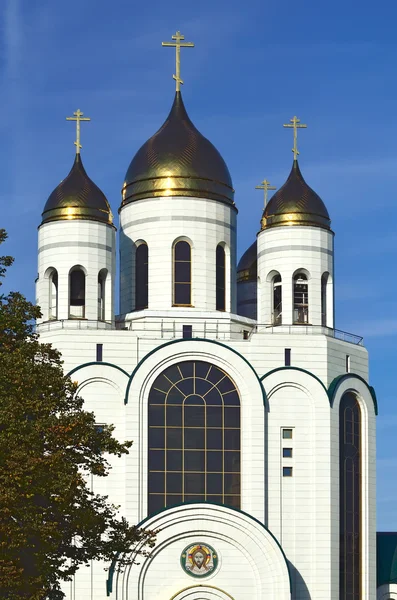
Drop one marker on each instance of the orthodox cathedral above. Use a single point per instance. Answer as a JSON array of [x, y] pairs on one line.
[[252, 417]]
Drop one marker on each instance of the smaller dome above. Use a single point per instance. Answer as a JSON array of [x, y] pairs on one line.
[[77, 197], [247, 268], [295, 203]]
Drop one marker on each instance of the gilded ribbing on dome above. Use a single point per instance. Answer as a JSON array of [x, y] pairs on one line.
[[295, 203], [77, 197], [178, 161]]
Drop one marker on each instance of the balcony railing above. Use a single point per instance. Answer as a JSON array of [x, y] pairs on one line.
[[223, 330]]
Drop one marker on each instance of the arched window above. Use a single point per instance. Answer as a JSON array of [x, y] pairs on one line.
[[182, 274], [324, 282], [101, 294], [301, 300], [194, 437], [277, 300], [141, 277], [350, 497], [53, 295], [77, 293], [220, 278]]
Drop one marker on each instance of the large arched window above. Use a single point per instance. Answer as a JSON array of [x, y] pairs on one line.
[[182, 274], [101, 294], [220, 278], [301, 300], [141, 277], [324, 283], [194, 437], [77, 293], [350, 497], [53, 295], [277, 300]]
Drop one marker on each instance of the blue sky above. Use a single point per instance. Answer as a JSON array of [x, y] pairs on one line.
[[256, 64]]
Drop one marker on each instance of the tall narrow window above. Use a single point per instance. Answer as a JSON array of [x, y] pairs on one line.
[[350, 497], [76, 293], [101, 294], [220, 278], [324, 282], [277, 306], [301, 300], [194, 437], [53, 296], [182, 274], [141, 277]]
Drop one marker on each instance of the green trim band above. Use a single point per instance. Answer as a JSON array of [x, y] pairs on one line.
[[192, 340], [295, 369], [109, 582], [334, 385], [96, 363]]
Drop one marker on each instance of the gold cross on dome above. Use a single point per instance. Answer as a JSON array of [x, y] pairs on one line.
[[178, 44], [295, 124], [265, 185], [78, 117]]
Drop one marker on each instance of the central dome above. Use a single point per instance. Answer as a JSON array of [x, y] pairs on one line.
[[178, 161]]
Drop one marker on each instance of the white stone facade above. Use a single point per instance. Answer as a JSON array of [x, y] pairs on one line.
[[283, 541]]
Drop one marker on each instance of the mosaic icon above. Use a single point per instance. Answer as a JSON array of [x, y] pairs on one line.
[[199, 560]]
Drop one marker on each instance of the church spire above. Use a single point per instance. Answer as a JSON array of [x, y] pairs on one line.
[[78, 117], [295, 125], [178, 44]]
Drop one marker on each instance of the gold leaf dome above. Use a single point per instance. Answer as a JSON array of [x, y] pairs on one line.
[[295, 203], [178, 161], [77, 197], [247, 268]]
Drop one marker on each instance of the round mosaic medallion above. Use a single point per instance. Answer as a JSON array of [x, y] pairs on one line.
[[199, 560]]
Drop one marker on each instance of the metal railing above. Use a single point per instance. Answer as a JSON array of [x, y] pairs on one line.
[[226, 329]]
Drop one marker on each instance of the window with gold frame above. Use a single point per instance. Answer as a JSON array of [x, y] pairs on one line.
[[350, 497], [194, 437], [141, 277], [220, 276], [182, 274]]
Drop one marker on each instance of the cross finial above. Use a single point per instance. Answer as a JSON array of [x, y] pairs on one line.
[[265, 185], [178, 44], [78, 116], [295, 124]]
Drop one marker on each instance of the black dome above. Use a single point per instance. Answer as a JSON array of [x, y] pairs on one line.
[[295, 203], [77, 197], [178, 161], [247, 267]]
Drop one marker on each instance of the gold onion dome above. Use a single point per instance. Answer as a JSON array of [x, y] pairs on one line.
[[77, 197], [295, 203], [247, 268], [178, 161]]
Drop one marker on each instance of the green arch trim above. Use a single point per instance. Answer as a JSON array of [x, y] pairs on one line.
[[93, 363], [180, 341], [334, 385], [295, 369], [109, 582]]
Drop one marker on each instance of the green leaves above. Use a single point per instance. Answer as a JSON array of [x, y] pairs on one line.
[[50, 521]]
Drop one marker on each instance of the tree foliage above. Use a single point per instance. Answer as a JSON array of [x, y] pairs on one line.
[[50, 521]]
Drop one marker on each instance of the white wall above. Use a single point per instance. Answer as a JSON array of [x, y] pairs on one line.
[[285, 250], [65, 244], [161, 221]]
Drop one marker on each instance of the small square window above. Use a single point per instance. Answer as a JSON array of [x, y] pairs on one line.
[[287, 452], [287, 471], [287, 434]]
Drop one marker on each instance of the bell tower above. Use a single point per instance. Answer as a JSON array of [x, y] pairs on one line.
[[76, 266]]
